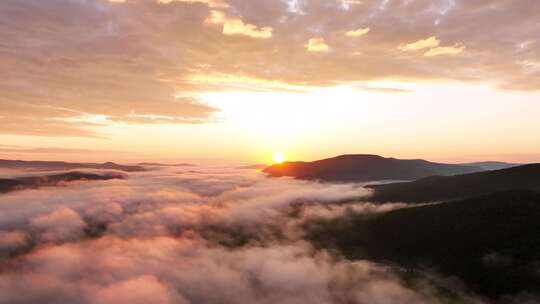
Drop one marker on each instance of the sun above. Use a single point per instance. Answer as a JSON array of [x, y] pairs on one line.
[[278, 157]]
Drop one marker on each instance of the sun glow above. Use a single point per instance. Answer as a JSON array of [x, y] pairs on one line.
[[278, 157]]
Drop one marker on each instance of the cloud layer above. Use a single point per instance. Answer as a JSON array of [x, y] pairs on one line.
[[222, 235], [74, 66]]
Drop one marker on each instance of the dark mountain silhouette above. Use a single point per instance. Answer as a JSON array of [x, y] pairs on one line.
[[441, 188], [60, 165], [492, 243], [34, 182], [366, 168], [492, 165]]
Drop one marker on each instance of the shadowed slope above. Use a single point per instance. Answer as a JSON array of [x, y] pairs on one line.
[[60, 165], [34, 182], [490, 242], [440, 188]]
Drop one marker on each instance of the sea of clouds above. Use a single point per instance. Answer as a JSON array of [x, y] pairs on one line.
[[203, 235]]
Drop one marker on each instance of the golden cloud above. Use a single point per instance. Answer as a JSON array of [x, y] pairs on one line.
[[210, 3], [358, 33], [445, 50], [317, 44], [235, 26], [427, 43], [223, 81]]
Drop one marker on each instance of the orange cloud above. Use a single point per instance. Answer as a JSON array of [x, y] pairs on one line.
[[427, 43], [358, 33], [235, 26], [317, 45], [210, 3], [445, 50], [433, 46]]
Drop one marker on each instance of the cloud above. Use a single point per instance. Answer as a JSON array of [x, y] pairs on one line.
[[381, 89], [74, 68], [36, 125], [54, 150], [177, 271], [235, 26], [73, 79], [445, 50], [530, 67], [358, 33], [60, 225], [10, 240], [433, 46], [143, 289], [427, 43], [317, 45], [210, 3], [337, 211], [225, 82], [156, 237]]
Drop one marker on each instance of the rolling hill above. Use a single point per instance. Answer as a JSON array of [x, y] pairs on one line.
[[492, 243], [442, 188], [60, 165], [34, 182], [361, 167]]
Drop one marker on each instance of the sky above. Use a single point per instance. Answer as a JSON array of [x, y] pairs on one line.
[[170, 80]]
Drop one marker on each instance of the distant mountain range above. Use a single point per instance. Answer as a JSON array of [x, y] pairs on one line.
[[443, 188], [492, 165], [60, 165], [362, 167], [34, 182]]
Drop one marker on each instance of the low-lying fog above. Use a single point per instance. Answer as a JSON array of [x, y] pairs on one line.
[[188, 235]]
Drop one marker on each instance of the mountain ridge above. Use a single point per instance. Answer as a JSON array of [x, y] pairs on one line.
[[38, 181], [443, 188], [62, 165], [366, 167]]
